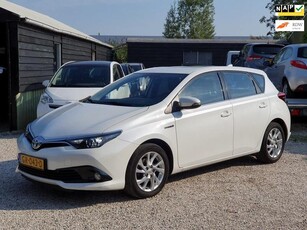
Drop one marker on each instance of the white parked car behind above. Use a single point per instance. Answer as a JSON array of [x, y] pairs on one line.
[[137, 131], [75, 81]]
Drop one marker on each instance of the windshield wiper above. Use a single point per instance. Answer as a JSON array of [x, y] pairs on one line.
[[89, 100]]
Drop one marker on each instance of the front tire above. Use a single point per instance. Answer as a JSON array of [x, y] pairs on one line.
[[272, 144], [147, 171]]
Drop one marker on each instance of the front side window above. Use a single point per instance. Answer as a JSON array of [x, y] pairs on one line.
[[138, 89], [278, 56], [206, 87], [239, 84], [287, 53]]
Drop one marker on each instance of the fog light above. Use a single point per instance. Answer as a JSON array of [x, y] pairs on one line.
[[97, 176]]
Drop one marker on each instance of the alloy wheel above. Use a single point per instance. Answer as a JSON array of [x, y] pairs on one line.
[[150, 171], [274, 143]]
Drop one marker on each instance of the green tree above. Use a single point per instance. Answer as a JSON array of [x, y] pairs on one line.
[[120, 50], [190, 19], [270, 21], [171, 26]]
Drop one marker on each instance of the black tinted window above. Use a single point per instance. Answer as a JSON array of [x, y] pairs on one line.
[[302, 52], [266, 49], [239, 84], [206, 87]]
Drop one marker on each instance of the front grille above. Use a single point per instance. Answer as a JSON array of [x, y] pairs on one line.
[[46, 144], [83, 174]]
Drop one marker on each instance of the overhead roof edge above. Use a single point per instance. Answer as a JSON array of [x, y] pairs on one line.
[[44, 21]]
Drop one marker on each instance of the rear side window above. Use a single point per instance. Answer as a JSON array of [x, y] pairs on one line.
[[266, 49], [239, 84], [260, 81], [302, 52]]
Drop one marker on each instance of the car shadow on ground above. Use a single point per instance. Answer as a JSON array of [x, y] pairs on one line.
[[242, 161], [17, 193]]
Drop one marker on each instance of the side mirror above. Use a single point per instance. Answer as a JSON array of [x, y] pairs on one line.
[[187, 103], [45, 83]]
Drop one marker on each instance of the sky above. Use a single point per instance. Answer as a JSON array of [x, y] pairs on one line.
[[147, 17]]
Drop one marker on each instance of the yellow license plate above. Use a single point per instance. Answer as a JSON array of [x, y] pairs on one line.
[[32, 162]]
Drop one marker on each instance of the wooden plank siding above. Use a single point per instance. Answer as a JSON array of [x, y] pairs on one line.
[[36, 54], [36, 57]]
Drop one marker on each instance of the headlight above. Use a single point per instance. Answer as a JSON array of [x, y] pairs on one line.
[[93, 141], [45, 98]]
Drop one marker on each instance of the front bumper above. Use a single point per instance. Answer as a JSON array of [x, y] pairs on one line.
[[75, 169]]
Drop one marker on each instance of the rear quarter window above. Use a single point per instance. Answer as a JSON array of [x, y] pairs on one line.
[[259, 79], [302, 52]]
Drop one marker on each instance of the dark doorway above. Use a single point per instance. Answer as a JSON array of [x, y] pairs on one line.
[[4, 83]]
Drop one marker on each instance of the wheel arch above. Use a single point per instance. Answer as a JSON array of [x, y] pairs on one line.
[[167, 150], [282, 124]]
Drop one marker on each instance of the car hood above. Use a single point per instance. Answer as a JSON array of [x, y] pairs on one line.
[[70, 94], [78, 119]]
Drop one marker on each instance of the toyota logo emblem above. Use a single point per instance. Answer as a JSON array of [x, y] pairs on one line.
[[37, 142]]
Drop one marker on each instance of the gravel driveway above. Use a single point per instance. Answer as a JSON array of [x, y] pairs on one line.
[[237, 194]]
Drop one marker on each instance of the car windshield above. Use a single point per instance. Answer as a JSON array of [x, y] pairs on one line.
[[138, 89], [267, 49], [82, 76]]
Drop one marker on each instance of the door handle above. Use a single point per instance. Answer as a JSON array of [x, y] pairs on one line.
[[225, 113], [263, 105]]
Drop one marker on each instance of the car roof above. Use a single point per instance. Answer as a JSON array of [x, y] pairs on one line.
[[100, 63], [268, 44], [297, 45], [196, 69]]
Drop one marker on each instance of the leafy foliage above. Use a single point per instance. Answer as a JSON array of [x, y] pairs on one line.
[[120, 50], [190, 19]]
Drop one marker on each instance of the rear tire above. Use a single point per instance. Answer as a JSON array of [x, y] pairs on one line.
[[272, 144], [147, 171]]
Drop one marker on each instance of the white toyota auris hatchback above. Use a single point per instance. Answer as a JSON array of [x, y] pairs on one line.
[[137, 131]]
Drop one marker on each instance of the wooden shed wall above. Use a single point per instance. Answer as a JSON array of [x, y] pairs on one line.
[[37, 57]]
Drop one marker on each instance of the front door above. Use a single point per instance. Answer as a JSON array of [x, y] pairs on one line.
[[204, 134]]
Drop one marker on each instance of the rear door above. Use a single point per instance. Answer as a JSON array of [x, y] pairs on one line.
[[250, 109]]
